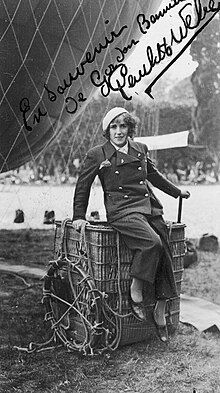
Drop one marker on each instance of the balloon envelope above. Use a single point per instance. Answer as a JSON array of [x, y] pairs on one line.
[[43, 43]]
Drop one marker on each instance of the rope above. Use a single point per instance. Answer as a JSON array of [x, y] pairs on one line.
[[170, 224], [83, 244], [101, 333], [63, 244], [118, 319]]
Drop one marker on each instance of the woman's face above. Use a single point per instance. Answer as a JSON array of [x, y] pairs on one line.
[[118, 131]]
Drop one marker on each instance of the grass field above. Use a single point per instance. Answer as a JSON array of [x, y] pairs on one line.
[[189, 363]]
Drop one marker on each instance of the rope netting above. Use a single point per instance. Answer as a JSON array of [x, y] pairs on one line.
[[80, 315], [43, 45], [85, 291]]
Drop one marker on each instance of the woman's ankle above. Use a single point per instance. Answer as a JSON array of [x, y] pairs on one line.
[[136, 290], [159, 312]]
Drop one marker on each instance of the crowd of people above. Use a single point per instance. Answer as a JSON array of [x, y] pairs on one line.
[[39, 175], [195, 172]]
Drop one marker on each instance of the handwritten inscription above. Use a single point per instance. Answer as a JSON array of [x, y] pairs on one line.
[[80, 70], [74, 103], [125, 50], [25, 108], [188, 24], [154, 56], [90, 58], [144, 24], [116, 77], [110, 81]]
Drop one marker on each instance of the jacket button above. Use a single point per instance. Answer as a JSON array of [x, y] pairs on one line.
[[125, 196], [120, 188], [139, 168], [139, 154], [117, 173], [141, 182], [146, 195]]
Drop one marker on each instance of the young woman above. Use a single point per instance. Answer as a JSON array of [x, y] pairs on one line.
[[125, 172]]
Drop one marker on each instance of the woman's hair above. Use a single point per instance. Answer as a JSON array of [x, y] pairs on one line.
[[130, 120]]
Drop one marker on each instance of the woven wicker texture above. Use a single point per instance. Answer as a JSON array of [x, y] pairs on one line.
[[105, 257]]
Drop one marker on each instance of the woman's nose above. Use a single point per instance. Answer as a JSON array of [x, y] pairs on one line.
[[119, 129]]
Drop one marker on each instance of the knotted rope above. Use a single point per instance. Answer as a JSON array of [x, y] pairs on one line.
[[98, 338]]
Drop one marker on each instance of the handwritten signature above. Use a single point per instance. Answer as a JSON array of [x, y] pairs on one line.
[[116, 77], [110, 82], [79, 71]]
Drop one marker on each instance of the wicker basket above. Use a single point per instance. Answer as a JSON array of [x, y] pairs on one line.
[[107, 260]]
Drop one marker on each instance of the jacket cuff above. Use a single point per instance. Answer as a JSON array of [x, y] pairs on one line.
[[178, 193], [78, 218]]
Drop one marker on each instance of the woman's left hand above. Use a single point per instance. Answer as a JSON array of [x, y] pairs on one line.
[[185, 194]]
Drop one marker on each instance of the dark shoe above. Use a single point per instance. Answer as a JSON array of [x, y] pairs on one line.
[[161, 330], [49, 217], [19, 216], [138, 309]]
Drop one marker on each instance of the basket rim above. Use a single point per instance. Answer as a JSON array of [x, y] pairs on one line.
[[104, 225]]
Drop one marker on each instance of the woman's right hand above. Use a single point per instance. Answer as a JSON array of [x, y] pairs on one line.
[[78, 224]]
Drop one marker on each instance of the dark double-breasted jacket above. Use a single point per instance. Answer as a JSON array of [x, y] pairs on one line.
[[125, 181]]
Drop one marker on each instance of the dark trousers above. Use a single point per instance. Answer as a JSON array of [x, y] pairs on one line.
[[147, 237]]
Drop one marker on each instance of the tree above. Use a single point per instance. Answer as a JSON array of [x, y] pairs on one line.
[[206, 85]]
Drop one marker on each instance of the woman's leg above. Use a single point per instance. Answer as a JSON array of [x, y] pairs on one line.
[[147, 237], [136, 290], [146, 245], [159, 312], [160, 320], [165, 286]]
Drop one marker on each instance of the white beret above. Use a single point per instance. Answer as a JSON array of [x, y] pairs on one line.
[[111, 115]]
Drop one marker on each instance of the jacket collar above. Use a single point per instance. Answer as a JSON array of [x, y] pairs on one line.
[[109, 150], [135, 152]]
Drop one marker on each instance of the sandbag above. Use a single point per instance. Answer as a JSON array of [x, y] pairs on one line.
[[208, 242], [19, 216]]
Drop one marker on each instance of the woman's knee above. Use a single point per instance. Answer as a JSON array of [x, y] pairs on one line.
[[154, 245]]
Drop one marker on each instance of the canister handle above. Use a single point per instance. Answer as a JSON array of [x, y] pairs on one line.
[[180, 209]]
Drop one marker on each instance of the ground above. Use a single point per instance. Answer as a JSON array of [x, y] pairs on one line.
[[189, 363]]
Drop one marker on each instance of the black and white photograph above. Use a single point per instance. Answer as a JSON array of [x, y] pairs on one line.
[[109, 196]]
